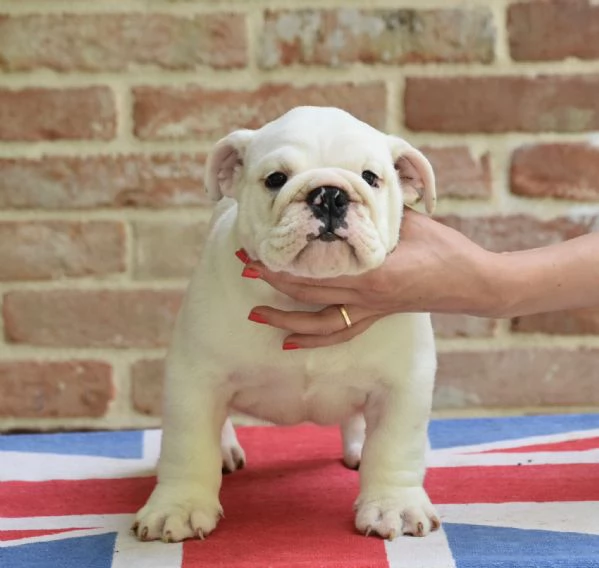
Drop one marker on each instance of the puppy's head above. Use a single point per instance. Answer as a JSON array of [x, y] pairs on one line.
[[320, 193]]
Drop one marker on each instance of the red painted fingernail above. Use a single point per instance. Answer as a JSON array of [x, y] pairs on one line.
[[257, 317], [242, 255], [250, 273], [290, 346]]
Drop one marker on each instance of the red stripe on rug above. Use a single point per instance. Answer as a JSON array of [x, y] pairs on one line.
[[579, 445], [504, 484], [73, 497], [17, 535]]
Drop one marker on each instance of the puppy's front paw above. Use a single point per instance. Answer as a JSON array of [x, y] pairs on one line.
[[404, 511], [176, 512]]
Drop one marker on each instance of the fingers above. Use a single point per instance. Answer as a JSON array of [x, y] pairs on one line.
[[311, 329], [316, 329], [347, 333], [325, 322]]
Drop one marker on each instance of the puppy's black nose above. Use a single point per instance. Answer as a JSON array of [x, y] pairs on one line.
[[329, 204]]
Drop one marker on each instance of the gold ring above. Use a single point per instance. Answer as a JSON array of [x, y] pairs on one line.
[[345, 316]]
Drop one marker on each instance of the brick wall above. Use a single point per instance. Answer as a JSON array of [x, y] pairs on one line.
[[107, 110]]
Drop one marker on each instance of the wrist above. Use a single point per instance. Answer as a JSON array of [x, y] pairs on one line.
[[507, 275], [495, 285]]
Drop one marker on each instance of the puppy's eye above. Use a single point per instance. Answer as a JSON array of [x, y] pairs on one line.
[[370, 178], [276, 180]]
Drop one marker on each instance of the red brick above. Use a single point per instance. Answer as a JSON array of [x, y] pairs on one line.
[[549, 31], [452, 326], [120, 42], [562, 171], [195, 112], [73, 389], [517, 378], [89, 318], [56, 249], [571, 322], [102, 181], [518, 232], [502, 104], [459, 174], [57, 114], [338, 37], [167, 249], [147, 378]]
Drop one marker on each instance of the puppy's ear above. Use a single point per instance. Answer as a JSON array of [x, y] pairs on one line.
[[224, 164], [415, 172]]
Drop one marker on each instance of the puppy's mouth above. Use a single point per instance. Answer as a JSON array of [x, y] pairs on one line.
[[326, 236]]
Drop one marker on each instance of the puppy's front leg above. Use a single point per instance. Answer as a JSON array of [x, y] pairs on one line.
[[184, 503], [392, 500]]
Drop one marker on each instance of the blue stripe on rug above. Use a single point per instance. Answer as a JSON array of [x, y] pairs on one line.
[[470, 431], [127, 444], [79, 552], [476, 546]]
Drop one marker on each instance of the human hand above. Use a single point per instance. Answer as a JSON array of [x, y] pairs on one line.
[[433, 269]]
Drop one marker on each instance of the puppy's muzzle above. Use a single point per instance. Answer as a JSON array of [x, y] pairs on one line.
[[329, 204]]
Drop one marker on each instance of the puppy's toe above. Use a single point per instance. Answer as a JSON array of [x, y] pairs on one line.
[[176, 528], [149, 525], [416, 522], [378, 520], [405, 511], [203, 522]]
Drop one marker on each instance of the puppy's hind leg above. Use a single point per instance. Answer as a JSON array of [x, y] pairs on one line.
[[353, 432], [231, 450]]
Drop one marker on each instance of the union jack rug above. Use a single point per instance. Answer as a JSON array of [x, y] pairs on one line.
[[512, 492]]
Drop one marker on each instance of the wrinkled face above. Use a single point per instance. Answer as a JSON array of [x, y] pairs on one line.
[[320, 193]]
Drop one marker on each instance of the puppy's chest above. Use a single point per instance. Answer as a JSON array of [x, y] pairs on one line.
[[293, 394]]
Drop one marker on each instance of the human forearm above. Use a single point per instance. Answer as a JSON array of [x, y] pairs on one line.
[[436, 269], [556, 277]]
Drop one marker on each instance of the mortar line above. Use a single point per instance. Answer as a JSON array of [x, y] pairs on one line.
[[502, 52], [187, 8], [395, 89]]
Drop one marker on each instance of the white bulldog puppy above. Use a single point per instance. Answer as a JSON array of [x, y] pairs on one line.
[[314, 193]]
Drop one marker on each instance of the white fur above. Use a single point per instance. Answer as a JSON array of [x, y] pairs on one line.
[[220, 362]]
